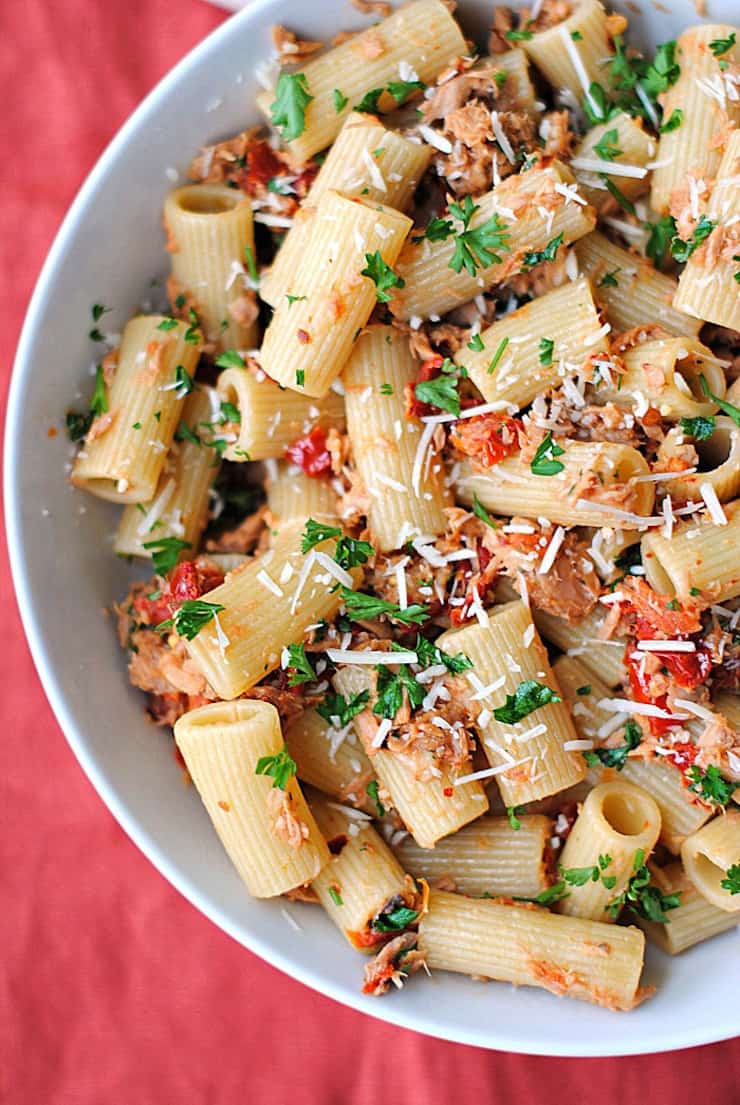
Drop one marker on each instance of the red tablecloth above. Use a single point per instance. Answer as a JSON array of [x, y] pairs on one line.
[[113, 988]]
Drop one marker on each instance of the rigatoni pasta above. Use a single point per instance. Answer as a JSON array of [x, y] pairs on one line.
[[711, 857]]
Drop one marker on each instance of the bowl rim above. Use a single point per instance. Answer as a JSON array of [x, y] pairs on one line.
[[52, 681]]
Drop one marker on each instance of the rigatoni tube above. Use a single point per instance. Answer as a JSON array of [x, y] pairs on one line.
[[312, 330], [617, 823], [667, 374], [366, 160], [335, 764], [709, 854], [692, 922], [569, 956], [423, 35], [402, 473], [268, 832], [567, 317], [533, 209], [292, 496], [271, 417], [127, 445], [267, 605], [700, 556], [210, 228], [618, 150], [573, 63], [529, 755], [595, 487], [179, 506]]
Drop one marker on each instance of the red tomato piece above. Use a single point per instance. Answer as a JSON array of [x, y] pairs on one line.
[[310, 453], [488, 438]]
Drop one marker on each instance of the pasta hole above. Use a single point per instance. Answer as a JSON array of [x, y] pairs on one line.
[[709, 873], [624, 814], [208, 201], [336, 844]]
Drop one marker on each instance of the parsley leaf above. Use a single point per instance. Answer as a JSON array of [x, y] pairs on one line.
[[616, 757], [475, 246], [369, 102], [191, 617], [390, 686], [500, 349], [732, 880], [596, 106], [230, 359], [335, 896], [618, 194], [184, 381], [77, 424], [606, 147], [518, 36], [288, 111], [543, 462], [442, 390], [476, 344], [340, 100], [280, 768], [710, 785], [480, 512], [699, 428], [185, 433], [681, 251], [372, 792], [528, 696], [350, 552], [99, 401], [659, 238], [643, 898], [438, 230], [723, 404], [429, 654], [302, 671], [720, 46], [547, 345], [609, 279], [341, 708], [395, 921], [361, 606], [536, 257], [400, 90], [167, 324], [512, 813], [382, 276], [662, 72], [165, 551], [316, 532], [673, 123]]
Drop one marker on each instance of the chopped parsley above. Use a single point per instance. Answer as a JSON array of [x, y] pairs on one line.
[[99, 401], [429, 654], [529, 696], [512, 812], [597, 106], [295, 299], [165, 551], [371, 790], [390, 687], [618, 194], [77, 424], [230, 359], [399, 90], [280, 768], [659, 238], [518, 36], [673, 123], [584, 690], [580, 876], [616, 757], [438, 230], [720, 46], [98, 310], [606, 147], [442, 391], [192, 335], [543, 462], [335, 896], [340, 100], [724, 405], [300, 377], [609, 279], [395, 921], [710, 785], [536, 257], [386, 389], [336, 706], [316, 532], [700, 428], [547, 345], [361, 606], [480, 512], [476, 344], [500, 350], [167, 324], [184, 381], [301, 668], [731, 882], [681, 250], [191, 617], [350, 552], [382, 276], [643, 898], [288, 111], [251, 264], [475, 246]]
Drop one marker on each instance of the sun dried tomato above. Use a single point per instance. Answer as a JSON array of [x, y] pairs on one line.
[[488, 438], [310, 453]]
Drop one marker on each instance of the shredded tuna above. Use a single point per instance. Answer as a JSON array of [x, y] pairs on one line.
[[243, 538], [101, 425], [398, 959], [284, 821], [245, 308], [373, 7], [292, 50], [370, 46]]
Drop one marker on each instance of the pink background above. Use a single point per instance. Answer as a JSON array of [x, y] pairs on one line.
[[112, 988]]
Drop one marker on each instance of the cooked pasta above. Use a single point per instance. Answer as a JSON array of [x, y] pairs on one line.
[[440, 485]]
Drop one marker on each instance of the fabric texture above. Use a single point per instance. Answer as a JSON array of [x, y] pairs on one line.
[[112, 987]]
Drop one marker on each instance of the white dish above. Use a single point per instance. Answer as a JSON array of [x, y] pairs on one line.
[[108, 249]]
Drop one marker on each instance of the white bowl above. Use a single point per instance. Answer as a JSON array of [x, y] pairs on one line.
[[108, 249]]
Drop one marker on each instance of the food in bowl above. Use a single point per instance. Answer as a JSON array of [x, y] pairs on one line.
[[469, 404]]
